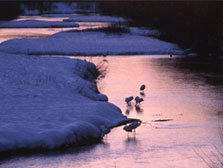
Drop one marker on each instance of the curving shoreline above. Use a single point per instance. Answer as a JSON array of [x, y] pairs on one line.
[[48, 104]]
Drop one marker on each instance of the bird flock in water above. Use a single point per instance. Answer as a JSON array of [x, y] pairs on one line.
[[132, 126]]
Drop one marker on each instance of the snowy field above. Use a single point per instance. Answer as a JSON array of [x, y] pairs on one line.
[[49, 102]]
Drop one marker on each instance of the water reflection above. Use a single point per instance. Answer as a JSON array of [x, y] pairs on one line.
[[142, 94], [183, 105], [129, 108], [131, 141], [13, 33], [138, 109]]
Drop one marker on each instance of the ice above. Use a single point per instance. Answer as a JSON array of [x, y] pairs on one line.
[[51, 101], [90, 43], [35, 24], [95, 18]]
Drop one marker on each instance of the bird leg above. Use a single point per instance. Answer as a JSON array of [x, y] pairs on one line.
[[134, 133]]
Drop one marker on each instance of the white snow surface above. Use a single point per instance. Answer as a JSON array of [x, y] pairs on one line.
[[47, 102], [90, 43], [94, 18], [35, 24]]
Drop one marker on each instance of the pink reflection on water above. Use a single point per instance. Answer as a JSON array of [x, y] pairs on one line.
[[191, 105], [188, 105], [14, 33]]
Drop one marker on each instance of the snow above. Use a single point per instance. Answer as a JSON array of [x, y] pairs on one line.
[[51, 101], [90, 43], [59, 8], [94, 18], [144, 31], [60, 15], [71, 7], [35, 24]]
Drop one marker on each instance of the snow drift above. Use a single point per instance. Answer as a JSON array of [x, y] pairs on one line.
[[51, 101], [90, 43], [94, 18]]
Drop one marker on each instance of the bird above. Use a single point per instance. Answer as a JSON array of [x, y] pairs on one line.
[[127, 128], [142, 87], [129, 99], [127, 111], [138, 100], [138, 109], [134, 125]]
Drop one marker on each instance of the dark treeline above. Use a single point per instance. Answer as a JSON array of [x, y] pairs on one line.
[[9, 10], [195, 25]]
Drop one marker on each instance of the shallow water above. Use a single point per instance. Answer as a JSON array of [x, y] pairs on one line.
[[192, 133], [14, 33], [192, 108]]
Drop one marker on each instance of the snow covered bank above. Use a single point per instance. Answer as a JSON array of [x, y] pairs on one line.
[[58, 8], [90, 43], [95, 18], [144, 31], [51, 101], [35, 24]]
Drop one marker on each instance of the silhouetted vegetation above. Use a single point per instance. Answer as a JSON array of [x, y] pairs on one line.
[[40, 6], [195, 25], [9, 10]]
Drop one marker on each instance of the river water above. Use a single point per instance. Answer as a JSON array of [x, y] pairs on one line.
[[13, 33], [181, 116]]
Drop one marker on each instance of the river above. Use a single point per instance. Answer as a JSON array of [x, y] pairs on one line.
[[181, 116]]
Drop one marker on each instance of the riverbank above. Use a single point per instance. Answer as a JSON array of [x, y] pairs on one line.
[[53, 102], [196, 25], [180, 114], [49, 102]]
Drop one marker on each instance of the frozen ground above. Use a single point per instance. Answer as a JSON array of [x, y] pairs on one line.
[[51, 101], [35, 24], [90, 43]]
